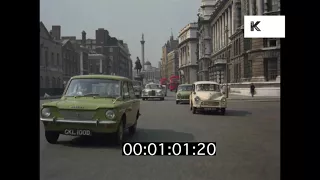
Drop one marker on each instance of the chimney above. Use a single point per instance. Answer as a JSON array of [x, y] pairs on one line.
[[56, 32], [84, 38]]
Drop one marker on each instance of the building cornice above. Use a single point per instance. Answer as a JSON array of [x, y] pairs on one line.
[[186, 41]]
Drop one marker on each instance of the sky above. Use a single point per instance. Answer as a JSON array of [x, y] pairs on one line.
[[124, 19]]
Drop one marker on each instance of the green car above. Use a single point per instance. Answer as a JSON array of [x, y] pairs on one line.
[[183, 93], [92, 105]]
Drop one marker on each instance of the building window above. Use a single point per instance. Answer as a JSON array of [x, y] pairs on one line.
[[52, 59], [46, 58], [47, 82], [247, 44], [53, 83], [41, 82], [58, 83], [111, 58], [270, 69], [111, 49], [271, 42], [58, 59]]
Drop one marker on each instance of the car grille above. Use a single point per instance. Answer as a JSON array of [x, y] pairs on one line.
[[77, 115], [152, 93], [210, 103], [184, 97]]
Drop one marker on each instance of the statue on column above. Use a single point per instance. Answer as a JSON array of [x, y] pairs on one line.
[[138, 65]]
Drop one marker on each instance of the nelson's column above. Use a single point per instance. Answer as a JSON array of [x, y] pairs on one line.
[[142, 51]]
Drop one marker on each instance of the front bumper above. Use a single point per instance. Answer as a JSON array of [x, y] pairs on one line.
[[147, 96], [96, 126], [211, 104], [182, 100]]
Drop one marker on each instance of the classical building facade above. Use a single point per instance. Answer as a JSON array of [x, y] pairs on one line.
[[50, 62], [167, 48], [188, 41], [205, 39], [173, 63], [235, 58]]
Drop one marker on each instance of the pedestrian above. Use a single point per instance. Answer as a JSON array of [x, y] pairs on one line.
[[252, 89]]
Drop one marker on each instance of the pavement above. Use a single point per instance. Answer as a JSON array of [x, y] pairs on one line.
[[247, 137], [255, 98]]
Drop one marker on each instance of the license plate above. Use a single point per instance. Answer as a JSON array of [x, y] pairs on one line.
[[136, 93], [208, 109], [77, 132]]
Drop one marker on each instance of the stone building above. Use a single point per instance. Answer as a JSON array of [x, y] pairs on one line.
[[205, 39], [97, 63], [173, 63], [235, 58], [150, 73], [188, 41], [50, 63], [169, 46], [116, 52]]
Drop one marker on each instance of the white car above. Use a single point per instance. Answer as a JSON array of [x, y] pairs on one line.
[[207, 96], [153, 90]]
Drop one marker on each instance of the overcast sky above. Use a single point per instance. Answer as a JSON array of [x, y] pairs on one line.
[[124, 19]]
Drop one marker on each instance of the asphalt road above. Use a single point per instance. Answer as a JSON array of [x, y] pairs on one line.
[[248, 146]]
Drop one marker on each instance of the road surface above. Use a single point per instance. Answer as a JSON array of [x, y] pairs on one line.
[[247, 137]]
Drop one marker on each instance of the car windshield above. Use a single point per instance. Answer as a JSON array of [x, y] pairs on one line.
[[208, 87], [94, 87], [185, 88], [153, 86]]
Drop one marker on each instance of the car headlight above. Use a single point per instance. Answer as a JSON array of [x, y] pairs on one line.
[[45, 112], [159, 92], [197, 98], [179, 95], [110, 114], [223, 100]]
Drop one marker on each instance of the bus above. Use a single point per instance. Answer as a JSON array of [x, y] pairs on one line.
[[173, 82]]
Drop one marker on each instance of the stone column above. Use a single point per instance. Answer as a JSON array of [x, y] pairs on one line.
[[251, 7], [278, 69], [220, 30], [230, 21], [265, 9], [100, 69], [213, 38], [235, 15], [226, 25], [279, 2], [260, 6]]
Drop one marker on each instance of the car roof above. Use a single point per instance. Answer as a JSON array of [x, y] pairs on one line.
[[152, 83], [185, 85], [205, 82], [101, 76]]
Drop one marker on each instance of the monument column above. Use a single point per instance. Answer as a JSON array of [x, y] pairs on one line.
[[142, 51]]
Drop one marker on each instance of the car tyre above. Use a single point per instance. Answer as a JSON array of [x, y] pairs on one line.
[[118, 136], [133, 128], [223, 111], [177, 102], [52, 137], [162, 99], [194, 110]]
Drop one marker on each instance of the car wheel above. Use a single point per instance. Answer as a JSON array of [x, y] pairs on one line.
[[118, 136], [194, 110], [143, 99], [177, 102], [223, 111], [52, 137]]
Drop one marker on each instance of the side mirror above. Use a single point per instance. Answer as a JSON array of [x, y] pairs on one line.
[[194, 92]]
